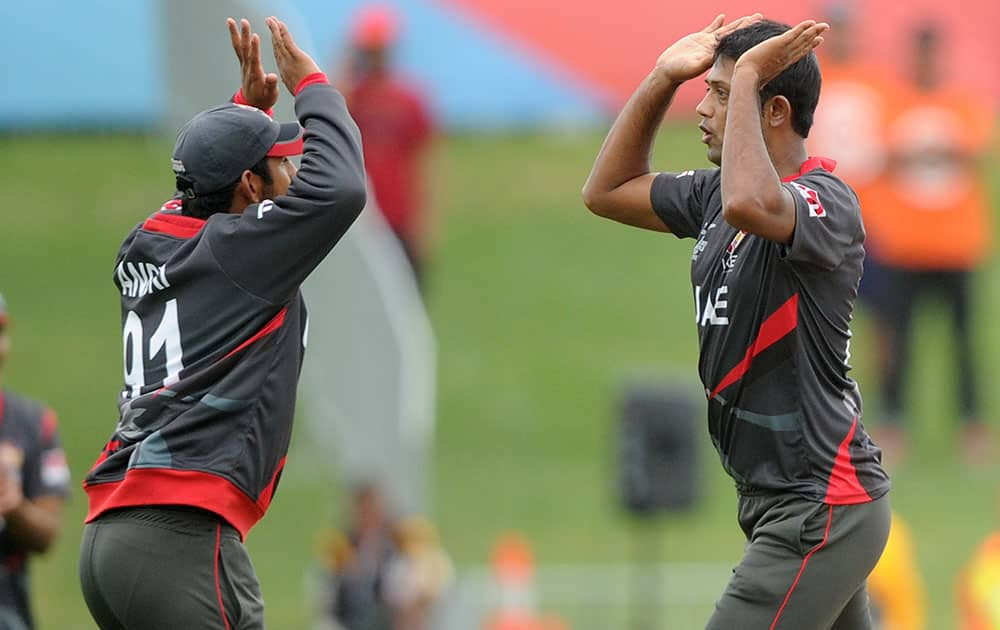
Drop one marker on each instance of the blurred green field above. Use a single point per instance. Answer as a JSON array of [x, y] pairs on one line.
[[540, 311]]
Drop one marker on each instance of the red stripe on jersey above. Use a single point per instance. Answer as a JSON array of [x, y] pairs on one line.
[[164, 486], [811, 164], [775, 327], [843, 487], [276, 322], [108, 449], [174, 224], [49, 423], [265, 497]]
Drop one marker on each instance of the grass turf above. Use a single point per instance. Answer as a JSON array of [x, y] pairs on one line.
[[541, 311]]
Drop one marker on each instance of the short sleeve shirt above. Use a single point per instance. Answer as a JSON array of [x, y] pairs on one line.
[[29, 447], [774, 336]]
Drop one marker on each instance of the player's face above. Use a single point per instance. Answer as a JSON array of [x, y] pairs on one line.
[[282, 172], [712, 108]]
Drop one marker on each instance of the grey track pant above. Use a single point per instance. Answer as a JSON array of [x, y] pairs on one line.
[[164, 568], [805, 565]]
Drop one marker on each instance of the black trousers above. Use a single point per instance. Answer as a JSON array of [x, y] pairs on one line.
[[165, 568], [805, 565], [903, 289]]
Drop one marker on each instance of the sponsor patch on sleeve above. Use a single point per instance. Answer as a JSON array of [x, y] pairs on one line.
[[55, 471], [816, 208]]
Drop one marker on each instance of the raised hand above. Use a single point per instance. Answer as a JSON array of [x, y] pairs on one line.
[[692, 55], [770, 57], [293, 63], [260, 89]]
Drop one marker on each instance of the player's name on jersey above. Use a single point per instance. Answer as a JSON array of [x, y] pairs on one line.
[[136, 279]]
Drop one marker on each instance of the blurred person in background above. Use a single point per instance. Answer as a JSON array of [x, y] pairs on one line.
[[34, 486], [356, 563], [930, 219], [214, 331], [775, 269], [419, 576], [380, 573], [850, 125], [396, 129]]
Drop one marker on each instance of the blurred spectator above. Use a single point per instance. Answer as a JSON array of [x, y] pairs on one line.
[[930, 221], [380, 574], [858, 100], [357, 563], [34, 484], [419, 575], [396, 129], [896, 587]]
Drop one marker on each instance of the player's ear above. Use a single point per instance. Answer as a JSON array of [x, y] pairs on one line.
[[777, 111], [251, 187]]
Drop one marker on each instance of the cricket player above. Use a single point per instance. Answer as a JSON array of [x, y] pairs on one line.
[[775, 270], [213, 332], [34, 487]]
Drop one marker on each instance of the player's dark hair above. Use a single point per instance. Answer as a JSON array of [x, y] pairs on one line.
[[799, 83], [204, 206]]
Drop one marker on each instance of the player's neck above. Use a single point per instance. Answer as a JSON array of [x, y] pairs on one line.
[[788, 157]]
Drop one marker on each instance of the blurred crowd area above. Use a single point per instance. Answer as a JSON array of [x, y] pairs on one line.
[[917, 147]]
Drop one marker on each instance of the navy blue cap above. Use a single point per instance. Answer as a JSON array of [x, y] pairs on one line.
[[217, 145]]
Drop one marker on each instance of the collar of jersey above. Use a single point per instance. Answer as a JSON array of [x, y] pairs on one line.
[[811, 164]]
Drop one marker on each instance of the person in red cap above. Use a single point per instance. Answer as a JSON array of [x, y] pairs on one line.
[[214, 329], [34, 484], [396, 129]]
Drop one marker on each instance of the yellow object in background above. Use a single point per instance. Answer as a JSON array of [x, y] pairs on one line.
[[979, 588], [895, 586]]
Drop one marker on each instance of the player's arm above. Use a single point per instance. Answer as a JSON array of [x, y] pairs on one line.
[[754, 199], [32, 498], [35, 523], [621, 179], [273, 245]]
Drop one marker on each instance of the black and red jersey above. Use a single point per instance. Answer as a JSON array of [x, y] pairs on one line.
[[214, 330], [29, 449], [774, 333]]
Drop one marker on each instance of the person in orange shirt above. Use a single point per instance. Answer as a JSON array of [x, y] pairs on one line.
[[850, 126], [933, 188]]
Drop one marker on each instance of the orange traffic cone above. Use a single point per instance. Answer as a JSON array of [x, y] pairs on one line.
[[517, 602]]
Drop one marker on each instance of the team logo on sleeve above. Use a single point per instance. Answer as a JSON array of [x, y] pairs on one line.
[[55, 470], [816, 208], [730, 257]]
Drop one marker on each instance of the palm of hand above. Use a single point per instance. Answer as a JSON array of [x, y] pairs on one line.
[[689, 56], [257, 88], [693, 54], [770, 57]]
